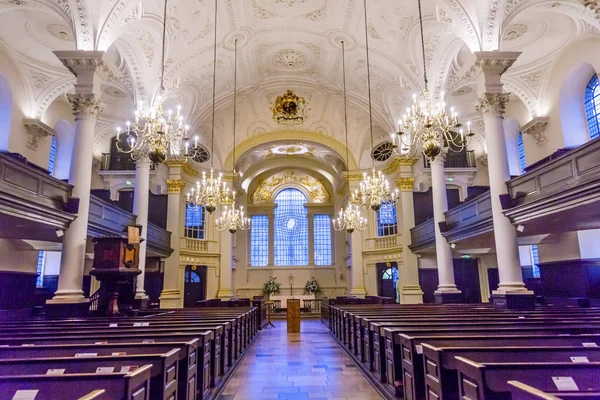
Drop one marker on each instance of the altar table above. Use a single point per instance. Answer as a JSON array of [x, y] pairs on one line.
[[285, 298]]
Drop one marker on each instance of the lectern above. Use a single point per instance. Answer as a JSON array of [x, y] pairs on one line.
[[293, 316], [116, 267]]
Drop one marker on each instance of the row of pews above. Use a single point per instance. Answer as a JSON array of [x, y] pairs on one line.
[[159, 355], [472, 352]]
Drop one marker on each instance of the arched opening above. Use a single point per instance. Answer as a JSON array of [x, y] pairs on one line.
[[572, 111], [291, 228], [592, 106], [388, 280], [195, 285], [6, 104]]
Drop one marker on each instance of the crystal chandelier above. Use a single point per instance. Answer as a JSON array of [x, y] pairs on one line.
[[428, 125], [211, 191], [233, 218], [157, 133], [349, 218], [374, 188]]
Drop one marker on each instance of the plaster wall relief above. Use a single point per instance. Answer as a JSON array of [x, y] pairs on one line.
[[265, 189]]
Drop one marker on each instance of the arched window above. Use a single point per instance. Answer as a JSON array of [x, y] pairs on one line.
[[387, 222], [521, 151], [52, 160], [194, 222], [392, 273], [40, 268], [592, 106], [291, 228], [259, 241]]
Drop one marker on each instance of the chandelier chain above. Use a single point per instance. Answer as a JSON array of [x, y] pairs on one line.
[[345, 106], [161, 90], [422, 44], [214, 91], [234, 104], [369, 81]]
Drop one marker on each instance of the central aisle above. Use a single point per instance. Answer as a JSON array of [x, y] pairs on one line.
[[310, 365]]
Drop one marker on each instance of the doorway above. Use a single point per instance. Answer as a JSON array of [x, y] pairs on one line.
[[388, 280], [195, 285]]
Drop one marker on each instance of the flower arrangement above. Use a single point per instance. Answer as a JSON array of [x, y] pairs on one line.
[[271, 286], [312, 286]]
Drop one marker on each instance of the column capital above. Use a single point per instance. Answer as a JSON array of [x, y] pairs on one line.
[[37, 130], [492, 103], [536, 128], [405, 184], [492, 64], [175, 185], [86, 66], [85, 105]]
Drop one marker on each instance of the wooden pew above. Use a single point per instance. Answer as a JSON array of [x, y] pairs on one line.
[[163, 373], [521, 391], [441, 378], [131, 386], [188, 352], [480, 381]]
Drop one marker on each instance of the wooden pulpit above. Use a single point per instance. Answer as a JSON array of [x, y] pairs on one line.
[[116, 267], [293, 316]]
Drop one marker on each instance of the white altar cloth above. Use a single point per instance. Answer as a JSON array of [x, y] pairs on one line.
[[284, 299]]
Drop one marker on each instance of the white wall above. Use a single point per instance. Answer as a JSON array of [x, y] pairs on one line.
[[589, 243], [14, 259]]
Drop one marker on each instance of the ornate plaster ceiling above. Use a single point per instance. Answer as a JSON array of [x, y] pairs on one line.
[[285, 44]]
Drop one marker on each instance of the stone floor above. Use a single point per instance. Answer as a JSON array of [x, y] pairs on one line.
[[310, 365]]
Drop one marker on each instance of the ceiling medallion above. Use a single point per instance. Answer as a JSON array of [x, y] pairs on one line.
[[61, 32], [289, 109], [289, 58], [288, 150]]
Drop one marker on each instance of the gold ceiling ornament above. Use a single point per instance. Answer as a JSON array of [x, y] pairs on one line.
[[289, 109], [175, 185], [292, 149], [405, 184], [399, 162], [315, 188]]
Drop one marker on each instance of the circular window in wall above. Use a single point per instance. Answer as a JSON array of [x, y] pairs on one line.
[[203, 155], [383, 151]]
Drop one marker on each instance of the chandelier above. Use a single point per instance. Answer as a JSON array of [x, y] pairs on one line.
[[349, 218], [374, 188], [429, 125], [211, 191], [233, 218], [157, 133]]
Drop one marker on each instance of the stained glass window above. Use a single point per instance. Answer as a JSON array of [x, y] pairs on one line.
[[194, 222], [535, 260], [387, 223], [259, 241], [592, 106], [521, 151], [322, 239], [291, 228], [40, 268], [52, 160]]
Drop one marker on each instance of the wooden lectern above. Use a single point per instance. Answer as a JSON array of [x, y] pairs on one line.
[[116, 267], [293, 316]]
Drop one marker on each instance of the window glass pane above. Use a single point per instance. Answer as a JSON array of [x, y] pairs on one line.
[[387, 223], [52, 159], [291, 228], [535, 259], [322, 239], [592, 106], [521, 151], [194, 222], [40, 268], [259, 241]]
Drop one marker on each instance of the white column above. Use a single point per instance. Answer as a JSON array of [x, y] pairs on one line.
[[140, 209], [358, 278], [225, 277], [443, 251], [492, 104], [410, 291], [86, 106], [172, 282]]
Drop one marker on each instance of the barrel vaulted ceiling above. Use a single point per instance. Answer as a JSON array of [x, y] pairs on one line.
[[286, 44]]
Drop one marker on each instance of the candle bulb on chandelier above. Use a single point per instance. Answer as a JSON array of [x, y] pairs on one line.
[[468, 127], [118, 132]]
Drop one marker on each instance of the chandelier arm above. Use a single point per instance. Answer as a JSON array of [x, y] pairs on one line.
[[369, 81], [422, 44], [161, 90], [214, 92]]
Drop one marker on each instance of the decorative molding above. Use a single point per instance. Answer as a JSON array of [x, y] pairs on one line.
[[37, 130], [398, 162], [175, 186], [85, 105], [174, 163], [593, 5], [536, 128], [405, 184], [492, 64], [315, 188], [492, 103]]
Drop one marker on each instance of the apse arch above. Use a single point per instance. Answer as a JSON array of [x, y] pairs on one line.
[[6, 107], [571, 104]]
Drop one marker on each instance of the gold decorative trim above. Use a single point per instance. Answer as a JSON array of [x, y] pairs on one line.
[[399, 162], [175, 186], [174, 163], [315, 188], [188, 169], [405, 184]]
